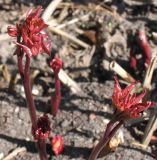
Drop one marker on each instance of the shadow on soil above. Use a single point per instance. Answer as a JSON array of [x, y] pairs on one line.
[[72, 152]]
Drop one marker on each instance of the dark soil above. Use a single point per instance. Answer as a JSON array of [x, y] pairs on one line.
[[81, 119]]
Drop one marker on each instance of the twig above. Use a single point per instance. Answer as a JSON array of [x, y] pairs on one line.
[[50, 9], [152, 123], [65, 79], [68, 36], [88, 57], [14, 153], [121, 72], [13, 80], [63, 14], [53, 22], [5, 72], [138, 120], [140, 2], [149, 74], [139, 145], [151, 127], [94, 8], [75, 20]]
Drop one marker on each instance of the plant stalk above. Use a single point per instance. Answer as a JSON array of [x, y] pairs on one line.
[[56, 99], [28, 93], [25, 75], [107, 137], [42, 149]]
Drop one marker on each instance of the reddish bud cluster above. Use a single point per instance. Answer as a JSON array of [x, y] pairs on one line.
[[57, 144], [129, 103], [43, 128], [30, 35], [56, 65]]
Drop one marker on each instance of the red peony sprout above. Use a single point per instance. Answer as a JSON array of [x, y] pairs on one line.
[[57, 144], [140, 42], [128, 103], [56, 65], [127, 106], [43, 128], [30, 35], [146, 50], [31, 40]]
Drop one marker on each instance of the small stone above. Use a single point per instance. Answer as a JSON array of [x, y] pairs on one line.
[[105, 121], [27, 139], [65, 123], [35, 92], [17, 110], [92, 116], [1, 155], [106, 64], [20, 121]]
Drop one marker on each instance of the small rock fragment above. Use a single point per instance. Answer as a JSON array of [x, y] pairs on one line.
[[92, 116]]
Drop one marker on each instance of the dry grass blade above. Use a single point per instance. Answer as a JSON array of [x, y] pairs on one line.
[[50, 9], [121, 72], [70, 37], [65, 79], [13, 80], [152, 123], [93, 8], [151, 127], [75, 20], [14, 153], [149, 73], [5, 72], [63, 14]]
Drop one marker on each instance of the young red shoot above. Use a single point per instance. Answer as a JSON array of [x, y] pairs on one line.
[[30, 35], [31, 40], [56, 65], [127, 103], [127, 106], [146, 50]]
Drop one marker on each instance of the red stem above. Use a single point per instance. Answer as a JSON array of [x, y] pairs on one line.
[[103, 142], [42, 149], [20, 65], [57, 98], [57, 85], [28, 92], [25, 75]]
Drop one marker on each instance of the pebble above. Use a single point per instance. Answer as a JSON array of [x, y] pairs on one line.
[[65, 123], [106, 121], [1, 155], [27, 139], [92, 116], [35, 91], [19, 120], [17, 110]]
